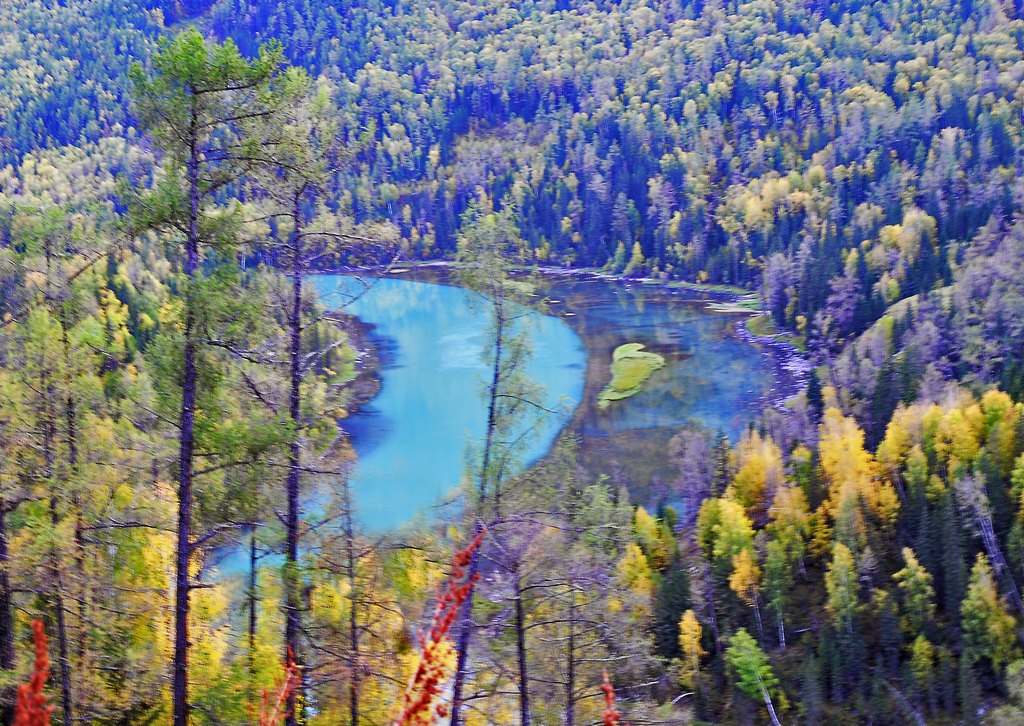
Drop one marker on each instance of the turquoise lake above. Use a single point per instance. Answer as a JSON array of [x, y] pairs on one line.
[[412, 438]]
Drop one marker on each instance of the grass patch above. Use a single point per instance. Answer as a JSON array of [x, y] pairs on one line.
[[741, 306], [631, 367], [762, 326], [710, 287]]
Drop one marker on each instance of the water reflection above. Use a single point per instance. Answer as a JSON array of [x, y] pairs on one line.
[[412, 438], [711, 377]]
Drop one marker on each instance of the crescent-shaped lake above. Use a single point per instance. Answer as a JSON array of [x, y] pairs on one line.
[[412, 438]]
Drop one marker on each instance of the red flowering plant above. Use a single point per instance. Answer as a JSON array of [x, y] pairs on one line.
[[31, 708], [612, 717], [422, 704], [274, 709]]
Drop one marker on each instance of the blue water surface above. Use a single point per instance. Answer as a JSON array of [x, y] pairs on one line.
[[412, 438]]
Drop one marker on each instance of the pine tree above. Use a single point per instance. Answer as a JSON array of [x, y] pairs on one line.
[[206, 107], [918, 595], [988, 628], [754, 674]]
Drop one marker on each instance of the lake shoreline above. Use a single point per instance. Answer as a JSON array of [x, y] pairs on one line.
[[717, 293], [366, 383], [790, 366]]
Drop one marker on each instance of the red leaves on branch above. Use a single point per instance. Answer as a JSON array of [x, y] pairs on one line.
[[273, 712], [421, 706], [611, 716], [31, 708]]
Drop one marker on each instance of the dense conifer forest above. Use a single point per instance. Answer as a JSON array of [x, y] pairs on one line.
[[174, 393]]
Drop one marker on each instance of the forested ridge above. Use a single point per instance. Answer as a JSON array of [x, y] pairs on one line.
[[172, 392]]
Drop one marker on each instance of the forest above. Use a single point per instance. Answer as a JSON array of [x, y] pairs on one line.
[[180, 542]]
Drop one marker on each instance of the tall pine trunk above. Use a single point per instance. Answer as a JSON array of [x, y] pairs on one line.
[[770, 706], [186, 440], [71, 422], [293, 618], [253, 595], [6, 608], [570, 658], [49, 416], [6, 616], [49, 436], [62, 630], [351, 563], [524, 681]]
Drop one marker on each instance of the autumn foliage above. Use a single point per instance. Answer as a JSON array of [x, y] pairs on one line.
[[31, 708], [273, 710], [421, 705], [612, 717]]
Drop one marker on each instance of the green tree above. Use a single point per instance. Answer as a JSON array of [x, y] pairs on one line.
[[754, 674], [636, 260], [1012, 712], [841, 586], [988, 628], [918, 594], [778, 582], [208, 109], [670, 602]]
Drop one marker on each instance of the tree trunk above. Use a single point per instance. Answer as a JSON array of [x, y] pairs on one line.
[[770, 706], [6, 618], [293, 620], [71, 421], [62, 631], [186, 443], [6, 613], [253, 615], [50, 471], [465, 633], [466, 616], [712, 615], [570, 658], [355, 665], [524, 682], [995, 554]]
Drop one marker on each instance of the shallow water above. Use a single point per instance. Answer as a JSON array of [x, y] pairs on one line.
[[712, 377], [412, 438]]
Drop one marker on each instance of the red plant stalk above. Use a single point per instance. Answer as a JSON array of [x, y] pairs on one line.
[[273, 712], [31, 708], [421, 705], [611, 715]]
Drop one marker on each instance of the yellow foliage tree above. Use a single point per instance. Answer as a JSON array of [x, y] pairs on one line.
[[852, 475], [690, 633], [635, 572], [841, 585], [759, 472], [723, 529], [790, 519], [651, 535], [988, 627], [915, 582], [745, 579]]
